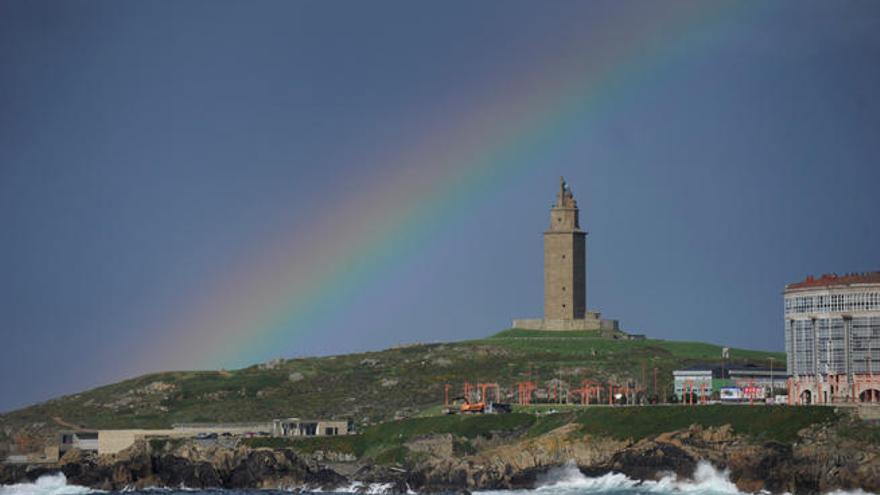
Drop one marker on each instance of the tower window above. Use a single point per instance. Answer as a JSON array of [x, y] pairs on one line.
[[563, 256], [563, 306], [563, 288]]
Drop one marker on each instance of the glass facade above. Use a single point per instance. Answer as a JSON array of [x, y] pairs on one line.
[[865, 345], [802, 351], [833, 302], [830, 348], [789, 352], [818, 341]]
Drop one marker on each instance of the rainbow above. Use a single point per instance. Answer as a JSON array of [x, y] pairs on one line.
[[282, 290]]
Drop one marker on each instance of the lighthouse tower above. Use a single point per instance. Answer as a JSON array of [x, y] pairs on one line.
[[565, 274], [565, 271]]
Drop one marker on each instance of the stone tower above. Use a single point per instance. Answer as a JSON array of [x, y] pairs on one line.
[[565, 275], [565, 244]]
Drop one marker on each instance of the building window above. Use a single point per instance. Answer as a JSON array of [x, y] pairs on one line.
[[803, 342], [829, 344], [828, 303]]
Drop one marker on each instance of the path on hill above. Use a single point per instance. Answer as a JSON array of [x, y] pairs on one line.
[[60, 421]]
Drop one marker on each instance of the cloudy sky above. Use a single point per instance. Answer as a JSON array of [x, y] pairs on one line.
[[213, 184]]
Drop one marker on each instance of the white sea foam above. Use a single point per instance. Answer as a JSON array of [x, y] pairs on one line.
[[50, 484], [361, 488], [568, 480]]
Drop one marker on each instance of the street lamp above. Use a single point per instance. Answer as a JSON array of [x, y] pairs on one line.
[[772, 383]]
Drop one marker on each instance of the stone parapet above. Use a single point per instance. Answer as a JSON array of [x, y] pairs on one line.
[[559, 325]]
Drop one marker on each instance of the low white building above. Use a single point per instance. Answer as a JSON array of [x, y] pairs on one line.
[[696, 380], [113, 441], [295, 427]]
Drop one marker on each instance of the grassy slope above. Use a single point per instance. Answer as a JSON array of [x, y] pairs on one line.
[[370, 387]]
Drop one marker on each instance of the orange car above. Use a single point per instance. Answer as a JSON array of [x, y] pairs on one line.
[[476, 407]]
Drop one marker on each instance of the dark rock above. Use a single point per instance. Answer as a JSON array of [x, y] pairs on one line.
[[327, 479], [765, 469], [523, 479], [651, 463], [820, 463], [260, 466], [88, 473], [173, 471]]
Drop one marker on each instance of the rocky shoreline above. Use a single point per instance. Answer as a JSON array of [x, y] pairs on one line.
[[819, 462]]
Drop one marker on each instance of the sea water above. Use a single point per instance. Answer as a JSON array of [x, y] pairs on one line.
[[566, 480]]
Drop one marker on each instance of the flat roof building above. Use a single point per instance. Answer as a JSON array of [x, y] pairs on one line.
[[703, 380], [832, 338], [113, 441], [695, 381], [295, 427]]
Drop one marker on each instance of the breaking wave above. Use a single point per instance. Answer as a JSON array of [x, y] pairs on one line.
[[568, 480], [50, 484], [364, 489]]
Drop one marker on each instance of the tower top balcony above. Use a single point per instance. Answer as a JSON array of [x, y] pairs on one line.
[[564, 215]]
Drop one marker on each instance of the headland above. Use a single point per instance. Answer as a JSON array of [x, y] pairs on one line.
[[401, 436]]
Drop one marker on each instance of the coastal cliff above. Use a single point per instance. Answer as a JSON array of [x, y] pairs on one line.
[[821, 459]]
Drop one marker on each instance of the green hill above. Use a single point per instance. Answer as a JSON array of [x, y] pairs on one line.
[[369, 387]]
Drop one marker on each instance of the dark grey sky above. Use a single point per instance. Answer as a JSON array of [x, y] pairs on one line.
[[147, 147]]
